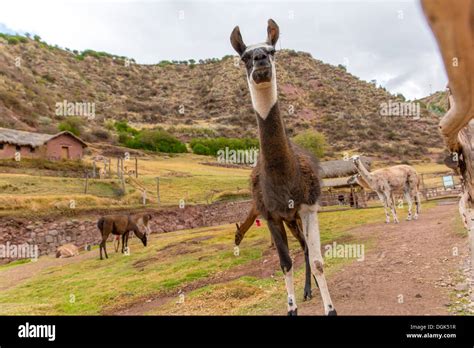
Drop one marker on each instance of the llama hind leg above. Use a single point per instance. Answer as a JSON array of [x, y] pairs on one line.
[[298, 234], [417, 204], [103, 246], [410, 204], [279, 236], [309, 219]]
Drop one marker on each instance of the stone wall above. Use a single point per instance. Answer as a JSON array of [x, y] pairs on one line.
[[48, 235]]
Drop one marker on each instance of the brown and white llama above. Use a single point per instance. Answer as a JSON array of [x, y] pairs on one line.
[[285, 182]]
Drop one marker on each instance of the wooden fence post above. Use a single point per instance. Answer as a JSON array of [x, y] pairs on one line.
[[158, 189], [86, 184], [136, 167]]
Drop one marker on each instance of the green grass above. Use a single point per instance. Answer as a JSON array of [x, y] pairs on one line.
[[171, 262]]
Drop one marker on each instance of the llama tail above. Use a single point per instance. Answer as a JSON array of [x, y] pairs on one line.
[[100, 224]]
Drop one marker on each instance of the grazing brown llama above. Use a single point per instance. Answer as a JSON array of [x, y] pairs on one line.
[[121, 225], [142, 222], [285, 182]]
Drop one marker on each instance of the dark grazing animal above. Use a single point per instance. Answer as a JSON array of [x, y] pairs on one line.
[[121, 225], [142, 220]]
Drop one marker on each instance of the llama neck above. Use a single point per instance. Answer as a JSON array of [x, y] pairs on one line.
[[275, 150], [263, 99], [364, 173]]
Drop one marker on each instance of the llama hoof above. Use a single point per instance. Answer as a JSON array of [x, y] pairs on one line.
[[409, 218], [415, 218], [307, 295], [332, 313], [293, 313]]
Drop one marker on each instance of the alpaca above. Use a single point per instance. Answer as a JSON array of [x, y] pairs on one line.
[[67, 250], [387, 181], [285, 181], [119, 225]]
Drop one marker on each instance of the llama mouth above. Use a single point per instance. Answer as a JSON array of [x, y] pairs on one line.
[[262, 75]]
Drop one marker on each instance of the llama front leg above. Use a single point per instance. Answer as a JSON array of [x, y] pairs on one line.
[[279, 236], [309, 219], [390, 202]]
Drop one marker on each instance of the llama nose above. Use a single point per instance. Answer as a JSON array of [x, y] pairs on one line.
[[261, 60]]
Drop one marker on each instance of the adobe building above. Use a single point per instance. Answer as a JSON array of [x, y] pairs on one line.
[[63, 145]]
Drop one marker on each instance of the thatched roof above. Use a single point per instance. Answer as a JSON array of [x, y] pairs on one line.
[[23, 138], [341, 168], [336, 182]]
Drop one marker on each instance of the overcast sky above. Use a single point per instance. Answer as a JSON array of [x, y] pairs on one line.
[[388, 41]]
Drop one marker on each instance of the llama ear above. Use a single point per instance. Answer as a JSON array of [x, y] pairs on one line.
[[237, 42], [273, 32]]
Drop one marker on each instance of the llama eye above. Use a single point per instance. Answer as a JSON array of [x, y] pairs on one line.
[[272, 52]]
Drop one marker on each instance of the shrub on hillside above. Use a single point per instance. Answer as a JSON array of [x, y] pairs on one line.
[[100, 134], [216, 144], [313, 141], [74, 125], [157, 140], [123, 127], [200, 149]]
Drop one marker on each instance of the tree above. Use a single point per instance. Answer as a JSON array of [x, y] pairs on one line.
[[72, 124], [313, 141]]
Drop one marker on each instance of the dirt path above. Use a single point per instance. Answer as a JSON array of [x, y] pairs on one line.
[[411, 263]]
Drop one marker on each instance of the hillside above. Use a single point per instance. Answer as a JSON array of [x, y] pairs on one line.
[[207, 97], [436, 103]]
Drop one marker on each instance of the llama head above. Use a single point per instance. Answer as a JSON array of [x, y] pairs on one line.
[[258, 59], [355, 159]]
